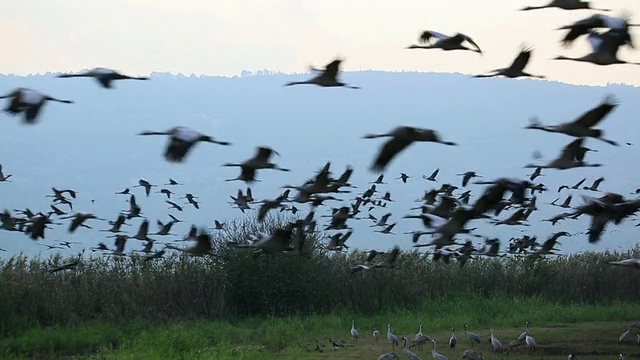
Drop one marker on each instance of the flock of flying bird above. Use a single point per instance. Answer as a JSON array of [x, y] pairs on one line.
[[443, 213]]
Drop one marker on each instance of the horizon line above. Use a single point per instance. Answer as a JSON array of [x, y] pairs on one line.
[[260, 72]]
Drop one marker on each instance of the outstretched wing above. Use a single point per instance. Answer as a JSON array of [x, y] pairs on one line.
[[263, 154], [571, 150], [521, 60], [582, 27], [595, 115], [177, 149], [105, 82], [427, 35], [388, 151], [392, 256], [31, 115], [466, 38], [609, 42], [331, 70]]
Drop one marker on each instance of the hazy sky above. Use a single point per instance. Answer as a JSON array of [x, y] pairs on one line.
[[224, 37]]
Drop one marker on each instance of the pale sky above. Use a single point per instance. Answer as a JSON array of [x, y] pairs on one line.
[[224, 37]]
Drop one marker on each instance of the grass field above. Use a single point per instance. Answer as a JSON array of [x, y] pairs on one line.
[[241, 305], [591, 331]]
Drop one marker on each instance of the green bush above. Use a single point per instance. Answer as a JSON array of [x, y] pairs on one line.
[[239, 283]]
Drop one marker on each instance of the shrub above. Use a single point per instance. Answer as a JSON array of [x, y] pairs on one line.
[[242, 283]]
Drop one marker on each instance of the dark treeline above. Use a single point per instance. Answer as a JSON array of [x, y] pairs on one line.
[[241, 283]]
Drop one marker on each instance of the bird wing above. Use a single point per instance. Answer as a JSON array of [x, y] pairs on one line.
[[595, 40], [173, 204], [143, 230], [548, 245], [428, 34], [177, 149], [517, 216], [346, 236], [332, 69], [521, 60], [436, 221], [579, 183], [372, 255], [30, 116], [333, 242], [388, 151], [573, 34], [264, 209], [389, 228], [609, 42], [132, 201], [392, 256], [105, 82], [598, 181], [583, 27], [596, 114], [15, 106], [121, 241], [203, 245], [598, 223], [466, 38], [614, 23], [627, 262], [263, 154], [570, 150], [247, 173]]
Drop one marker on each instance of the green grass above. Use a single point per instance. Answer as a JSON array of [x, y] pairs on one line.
[[241, 305], [589, 330]]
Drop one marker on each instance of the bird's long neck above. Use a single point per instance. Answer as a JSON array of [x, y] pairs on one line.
[[543, 128], [562, 57], [492, 73], [533, 76], [73, 75], [299, 83], [534, 8], [49, 98], [126, 77], [154, 133]]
